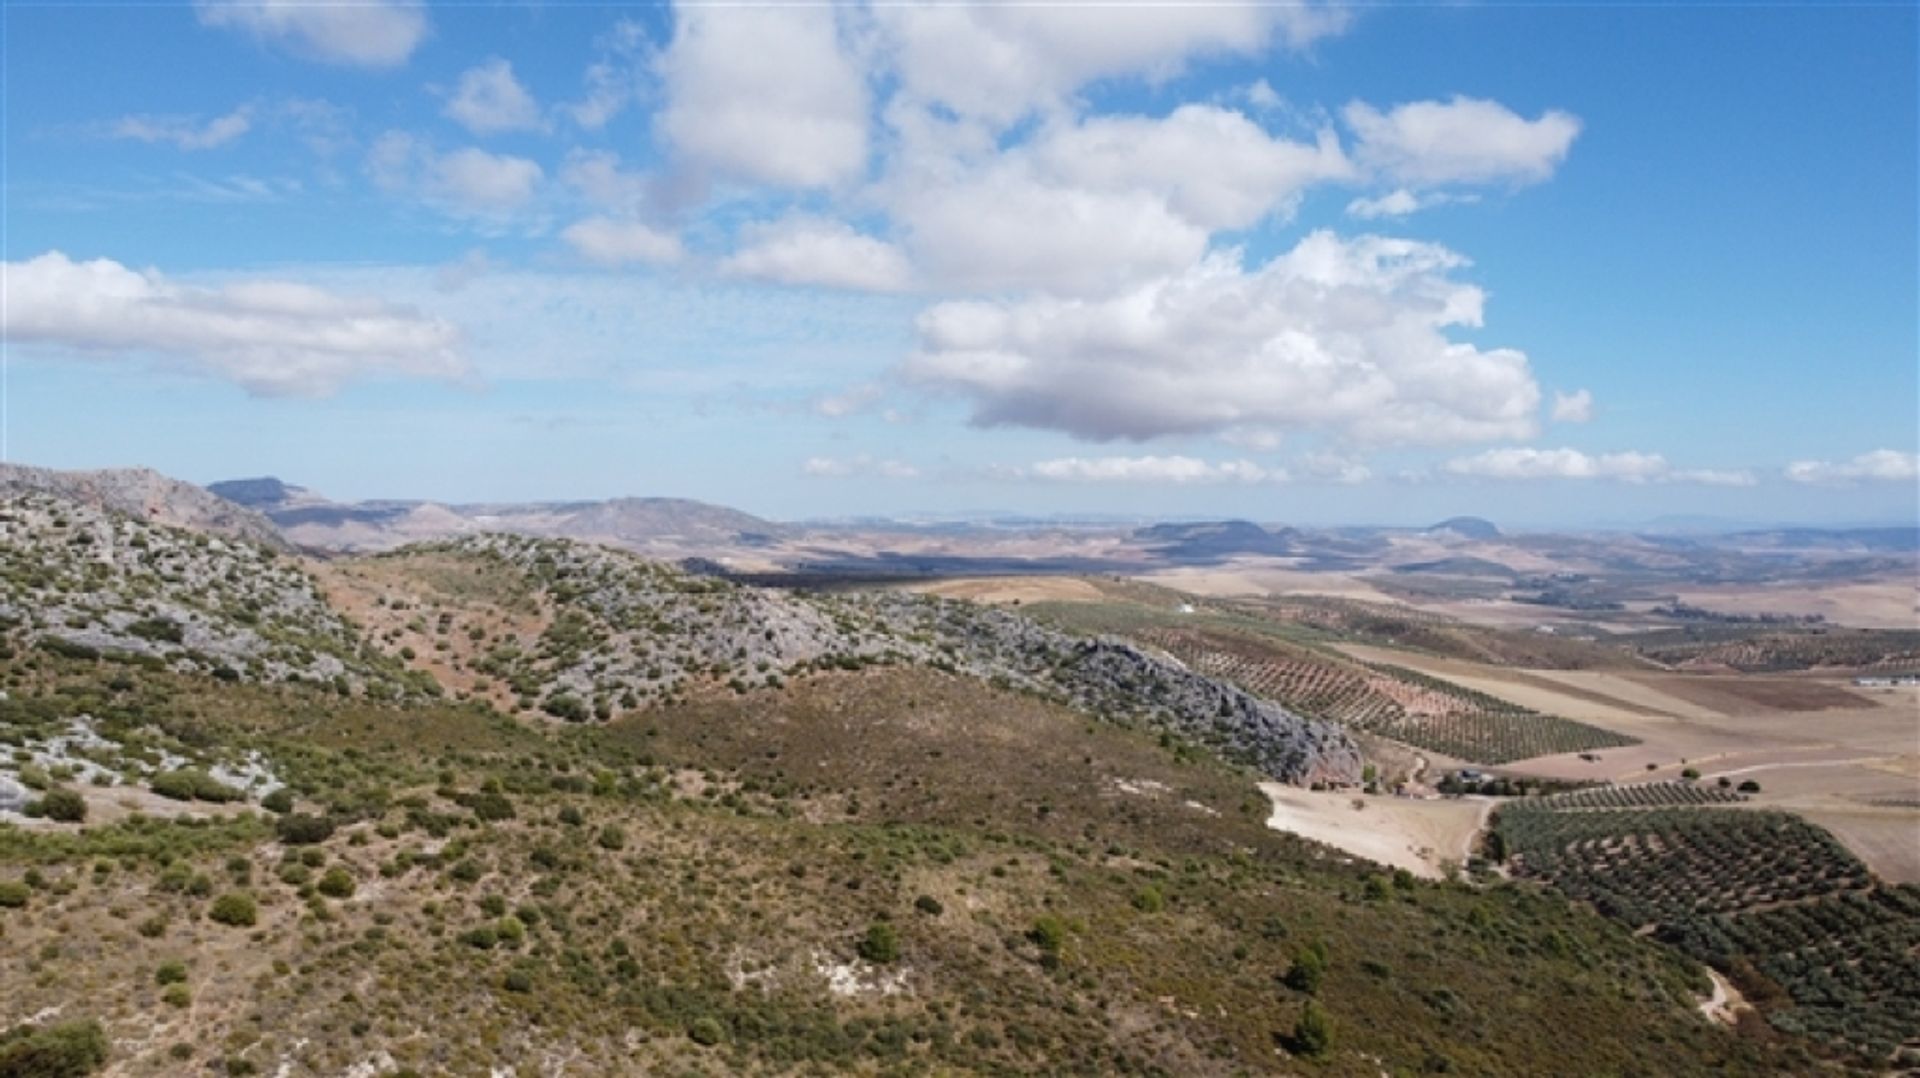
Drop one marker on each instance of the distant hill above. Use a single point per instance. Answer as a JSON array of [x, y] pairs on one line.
[[145, 495], [1466, 528], [1211, 540], [311, 520]]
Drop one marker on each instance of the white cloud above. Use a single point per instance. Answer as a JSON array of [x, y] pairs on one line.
[[613, 242], [1460, 141], [1629, 467], [1261, 95], [467, 181], [1714, 477], [490, 100], [1402, 202], [1215, 167], [767, 94], [862, 465], [1004, 231], [274, 338], [804, 250], [1880, 464], [1342, 335], [597, 175], [1147, 469], [183, 132], [1000, 62], [1084, 208], [1575, 407], [371, 33]]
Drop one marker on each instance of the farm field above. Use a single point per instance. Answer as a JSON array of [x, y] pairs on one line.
[[1839, 766], [1394, 702], [1778, 905], [1424, 837]]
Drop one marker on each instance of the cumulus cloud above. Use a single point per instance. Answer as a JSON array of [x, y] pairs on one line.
[[274, 338], [1347, 336], [613, 242], [1628, 467], [767, 94], [1000, 62], [467, 181], [1879, 464], [1464, 140], [1086, 207], [862, 465], [1147, 469], [489, 100], [186, 133], [806, 250], [1575, 407], [373, 33]]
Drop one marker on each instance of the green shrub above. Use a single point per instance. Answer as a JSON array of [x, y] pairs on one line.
[[337, 882], [68, 1050], [303, 829], [612, 838], [280, 801], [1149, 899], [706, 1031], [14, 894], [63, 804], [929, 905], [172, 971], [190, 784], [1308, 970], [236, 908], [176, 995], [1049, 933], [881, 944], [1313, 1033]]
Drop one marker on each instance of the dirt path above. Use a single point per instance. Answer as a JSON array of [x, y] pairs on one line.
[[1726, 1002]]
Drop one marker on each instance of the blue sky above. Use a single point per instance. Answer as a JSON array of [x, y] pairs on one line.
[[1552, 264]]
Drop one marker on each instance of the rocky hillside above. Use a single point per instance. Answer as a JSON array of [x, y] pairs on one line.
[[583, 632], [84, 581], [144, 495]]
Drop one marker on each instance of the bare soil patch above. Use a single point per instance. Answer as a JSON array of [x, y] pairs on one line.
[[1421, 836], [1016, 589], [1731, 694]]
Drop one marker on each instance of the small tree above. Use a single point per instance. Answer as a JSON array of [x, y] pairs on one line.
[[1313, 1033]]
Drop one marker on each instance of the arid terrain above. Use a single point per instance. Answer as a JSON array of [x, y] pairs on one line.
[[878, 813]]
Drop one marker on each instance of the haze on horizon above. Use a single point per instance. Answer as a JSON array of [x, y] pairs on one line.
[[1308, 263]]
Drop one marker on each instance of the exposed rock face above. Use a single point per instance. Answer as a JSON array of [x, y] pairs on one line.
[[144, 495], [86, 581]]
